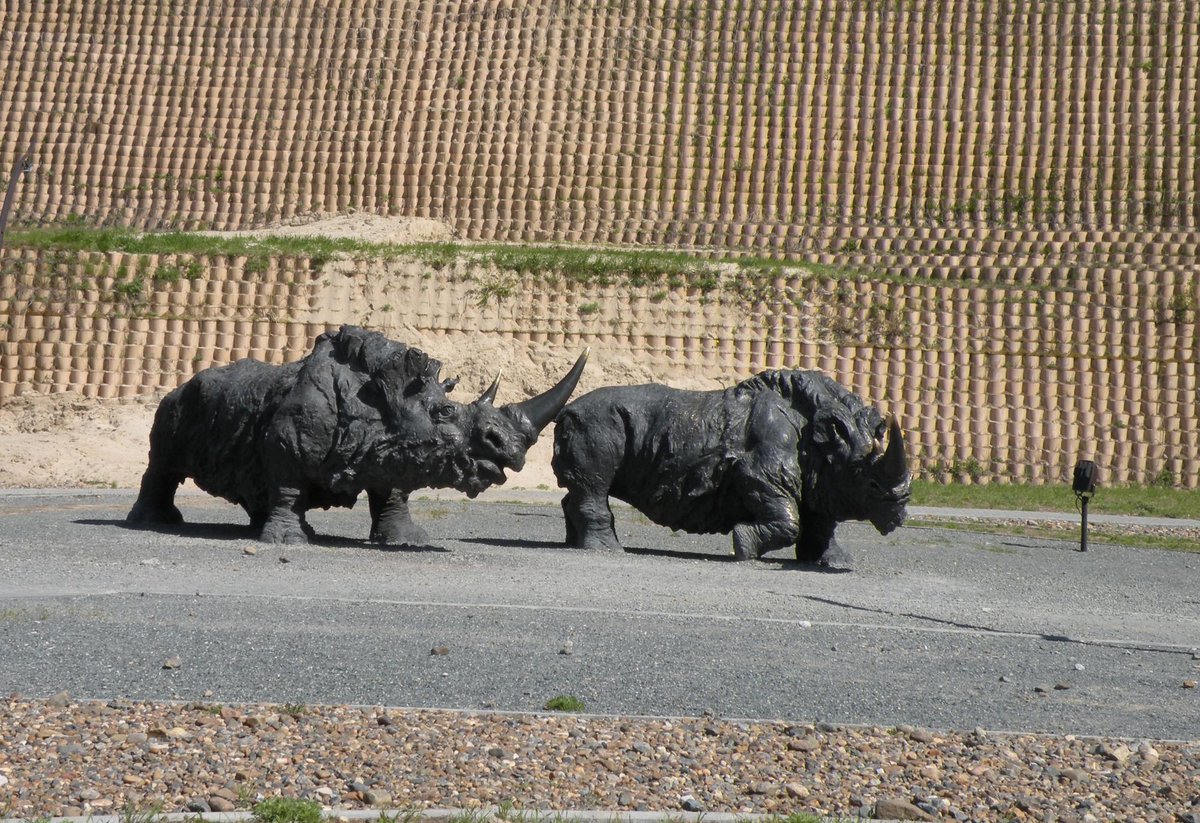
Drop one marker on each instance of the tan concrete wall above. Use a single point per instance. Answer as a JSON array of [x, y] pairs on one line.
[[1018, 381]]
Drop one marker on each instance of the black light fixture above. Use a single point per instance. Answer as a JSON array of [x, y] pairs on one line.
[[1084, 486]]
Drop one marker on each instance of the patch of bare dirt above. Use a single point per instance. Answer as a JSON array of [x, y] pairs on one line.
[[66, 440], [371, 228]]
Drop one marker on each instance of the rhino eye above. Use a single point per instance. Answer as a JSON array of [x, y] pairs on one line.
[[442, 412]]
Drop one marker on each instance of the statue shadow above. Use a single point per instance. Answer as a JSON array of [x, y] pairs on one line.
[[791, 564], [643, 551], [388, 548], [244, 532], [784, 563], [202, 531], [520, 543]]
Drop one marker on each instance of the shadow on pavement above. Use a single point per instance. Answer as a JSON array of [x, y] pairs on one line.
[[244, 532]]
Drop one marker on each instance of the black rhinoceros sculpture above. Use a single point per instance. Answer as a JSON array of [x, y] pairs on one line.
[[360, 412], [778, 460]]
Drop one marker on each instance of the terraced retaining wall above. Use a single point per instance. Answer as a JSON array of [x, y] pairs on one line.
[[1048, 148], [993, 383]]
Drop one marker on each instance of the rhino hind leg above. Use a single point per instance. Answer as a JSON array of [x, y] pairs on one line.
[[590, 521], [391, 519], [155, 504]]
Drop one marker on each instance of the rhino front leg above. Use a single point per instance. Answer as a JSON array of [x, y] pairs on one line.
[[391, 520], [816, 543], [590, 522], [155, 503], [776, 524], [285, 522]]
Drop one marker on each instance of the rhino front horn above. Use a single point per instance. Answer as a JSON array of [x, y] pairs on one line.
[[894, 463], [543, 408]]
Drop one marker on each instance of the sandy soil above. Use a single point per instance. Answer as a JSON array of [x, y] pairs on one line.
[[66, 440], [373, 228]]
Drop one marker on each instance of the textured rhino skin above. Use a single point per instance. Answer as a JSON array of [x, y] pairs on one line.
[[778, 460]]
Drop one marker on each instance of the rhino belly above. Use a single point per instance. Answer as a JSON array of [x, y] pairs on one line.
[[698, 501]]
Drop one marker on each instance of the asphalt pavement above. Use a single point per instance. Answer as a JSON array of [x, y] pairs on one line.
[[944, 629]]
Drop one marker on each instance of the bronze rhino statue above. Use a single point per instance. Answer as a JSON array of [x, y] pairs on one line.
[[778, 460], [358, 413]]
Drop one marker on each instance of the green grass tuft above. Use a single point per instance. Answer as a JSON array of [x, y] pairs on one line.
[[564, 703], [132, 814], [287, 810]]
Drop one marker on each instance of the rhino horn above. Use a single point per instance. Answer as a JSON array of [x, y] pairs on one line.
[[489, 396], [879, 444], [543, 408], [894, 464]]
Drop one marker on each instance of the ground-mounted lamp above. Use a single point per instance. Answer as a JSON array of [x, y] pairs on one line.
[[1084, 486]]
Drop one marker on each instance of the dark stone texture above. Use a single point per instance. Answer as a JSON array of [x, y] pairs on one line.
[[778, 460], [359, 413]]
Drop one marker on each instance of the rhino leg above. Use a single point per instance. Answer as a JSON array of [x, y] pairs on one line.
[[285, 522], [259, 517], [816, 543], [775, 523], [590, 522], [155, 503], [391, 520]]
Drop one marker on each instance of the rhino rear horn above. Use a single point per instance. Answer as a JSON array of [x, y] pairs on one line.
[[543, 408], [489, 395], [894, 463]]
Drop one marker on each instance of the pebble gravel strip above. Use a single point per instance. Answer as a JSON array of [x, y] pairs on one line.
[[66, 757]]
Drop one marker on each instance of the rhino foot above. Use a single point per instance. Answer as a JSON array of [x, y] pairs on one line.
[[747, 543], [831, 555], [589, 520], [292, 533], [151, 515], [816, 543], [591, 541], [408, 534]]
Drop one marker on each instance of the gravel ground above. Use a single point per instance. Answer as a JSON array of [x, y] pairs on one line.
[[61, 757]]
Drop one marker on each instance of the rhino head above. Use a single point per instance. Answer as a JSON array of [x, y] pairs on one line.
[[860, 469], [499, 436], [464, 446]]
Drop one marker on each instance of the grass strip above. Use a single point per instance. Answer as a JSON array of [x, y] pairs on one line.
[[1141, 501]]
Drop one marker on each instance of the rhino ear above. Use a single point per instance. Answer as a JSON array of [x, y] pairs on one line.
[[415, 386], [833, 435]]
